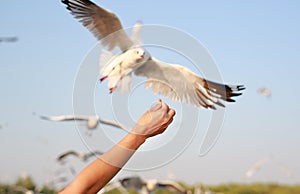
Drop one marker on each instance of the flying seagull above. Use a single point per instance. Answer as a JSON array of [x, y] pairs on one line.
[[256, 167], [92, 121], [148, 186], [265, 92], [175, 81], [82, 156], [135, 183], [171, 186], [8, 39]]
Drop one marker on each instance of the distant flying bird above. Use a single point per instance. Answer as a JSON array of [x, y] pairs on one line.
[[92, 121], [265, 92], [82, 156], [8, 39], [3, 125], [148, 186], [171, 186], [256, 167], [175, 81], [135, 183]]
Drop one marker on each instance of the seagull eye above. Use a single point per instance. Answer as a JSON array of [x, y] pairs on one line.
[[137, 52]]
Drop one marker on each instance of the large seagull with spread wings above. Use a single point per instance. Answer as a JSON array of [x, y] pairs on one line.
[[175, 81]]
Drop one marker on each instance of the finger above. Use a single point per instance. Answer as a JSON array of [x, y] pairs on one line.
[[169, 122], [162, 129], [156, 106], [165, 126], [165, 107], [170, 116], [171, 113]]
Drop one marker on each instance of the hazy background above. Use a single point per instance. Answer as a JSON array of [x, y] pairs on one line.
[[255, 43]]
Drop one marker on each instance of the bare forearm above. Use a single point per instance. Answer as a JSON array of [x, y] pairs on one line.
[[103, 169], [110, 164]]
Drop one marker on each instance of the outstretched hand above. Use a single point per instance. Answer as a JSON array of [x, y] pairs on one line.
[[96, 175], [154, 121]]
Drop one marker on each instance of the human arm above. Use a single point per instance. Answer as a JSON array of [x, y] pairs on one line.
[[97, 174]]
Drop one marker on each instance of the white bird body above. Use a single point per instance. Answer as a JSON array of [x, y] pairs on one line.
[[175, 81], [122, 65]]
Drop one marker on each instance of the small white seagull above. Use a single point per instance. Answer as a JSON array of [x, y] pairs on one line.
[[135, 183], [171, 186], [265, 92], [82, 156], [256, 167], [175, 81], [149, 186], [92, 121]]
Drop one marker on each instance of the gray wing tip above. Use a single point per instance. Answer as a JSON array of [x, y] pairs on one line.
[[43, 117]]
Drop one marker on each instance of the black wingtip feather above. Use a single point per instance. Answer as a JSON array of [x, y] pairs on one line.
[[212, 107], [220, 104], [240, 87], [230, 100], [78, 2], [235, 94]]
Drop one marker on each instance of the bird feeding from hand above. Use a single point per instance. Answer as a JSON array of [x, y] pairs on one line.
[[175, 81]]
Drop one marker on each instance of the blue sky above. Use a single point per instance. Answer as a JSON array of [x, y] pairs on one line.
[[255, 43]]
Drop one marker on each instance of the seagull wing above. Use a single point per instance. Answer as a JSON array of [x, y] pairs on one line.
[[63, 155], [135, 183], [256, 167], [91, 154], [58, 118], [64, 118], [96, 153], [111, 123], [181, 84], [100, 22], [135, 37]]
